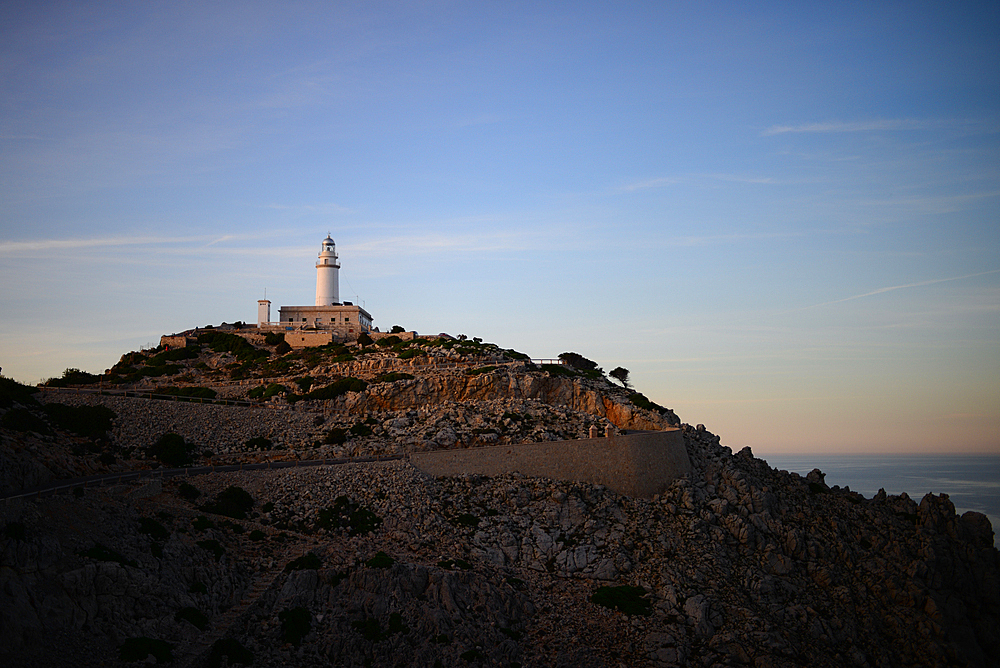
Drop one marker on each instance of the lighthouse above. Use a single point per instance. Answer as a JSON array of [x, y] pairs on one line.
[[327, 275]]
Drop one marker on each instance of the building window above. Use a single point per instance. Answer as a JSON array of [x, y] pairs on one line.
[[333, 320], [347, 319], [303, 319]]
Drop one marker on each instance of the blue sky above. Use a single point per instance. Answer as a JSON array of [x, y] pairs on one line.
[[781, 218]]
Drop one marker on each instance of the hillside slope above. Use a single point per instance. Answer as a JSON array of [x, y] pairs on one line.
[[377, 564]]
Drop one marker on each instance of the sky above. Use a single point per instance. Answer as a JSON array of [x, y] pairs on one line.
[[781, 217]]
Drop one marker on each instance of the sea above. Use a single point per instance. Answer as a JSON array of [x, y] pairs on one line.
[[972, 482]]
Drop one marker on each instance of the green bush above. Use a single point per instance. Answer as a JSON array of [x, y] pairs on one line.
[[388, 341], [237, 345], [274, 338], [258, 443], [396, 329], [335, 436], [202, 523], [73, 377], [172, 450], [232, 650], [188, 491], [305, 383], [578, 362], [640, 400], [380, 560], [308, 561], [92, 421], [346, 514], [337, 388], [257, 535], [12, 391], [137, 649], [393, 377], [174, 355], [101, 553], [295, 624], [14, 531], [213, 546], [193, 616], [410, 353], [233, 502], [361, 429], [153, 529], [21, 419], [267, 391], [364, 339], [625, 598], [480, 370], [192, 392], [467, 520]]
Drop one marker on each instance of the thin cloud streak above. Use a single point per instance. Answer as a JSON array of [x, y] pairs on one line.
[[893, 288], [862, 126]]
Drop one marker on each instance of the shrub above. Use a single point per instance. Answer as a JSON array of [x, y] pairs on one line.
[[267, 391], [267, 507], [346, 514], [578, 362], [14, 531], [282, 348], [193, 616], [380, 560], [396, 329], [308, 561], [153, 529], [274, 338], [625, 598], [335, 436], [361, 429], [641, 401], [337, 388], [364, 339], [480, 370], [73, 377], [188, 491], [137, 649], [172, 450], [202, 523], [101, 553], [197, 588], [295, 624], [393, 377], [89, 421], [388, 341], [21, 419], [467, 520], [233, 502], [212, 546], [257, 535], [410, 353], [192, 392], [304, 383], [12, 391], [232, 650], [258, 443]]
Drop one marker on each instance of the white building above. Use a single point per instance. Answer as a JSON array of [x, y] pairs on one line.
[[329, 319]]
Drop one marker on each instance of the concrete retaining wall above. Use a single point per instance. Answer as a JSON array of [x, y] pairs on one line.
[[641, 464]]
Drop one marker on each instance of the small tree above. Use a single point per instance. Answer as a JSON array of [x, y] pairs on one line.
[[396, 329], [621, 375], [364, 339]]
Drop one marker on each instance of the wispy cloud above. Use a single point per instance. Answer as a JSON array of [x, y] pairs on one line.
[[892, 288], [19, 247], [863, 126], [651, 183]]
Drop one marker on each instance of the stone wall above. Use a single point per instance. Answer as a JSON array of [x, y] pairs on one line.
[[640, 465]]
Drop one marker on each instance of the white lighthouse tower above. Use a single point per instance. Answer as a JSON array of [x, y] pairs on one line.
[[327, 275]]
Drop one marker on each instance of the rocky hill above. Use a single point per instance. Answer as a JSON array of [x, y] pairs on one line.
[[377, 564]]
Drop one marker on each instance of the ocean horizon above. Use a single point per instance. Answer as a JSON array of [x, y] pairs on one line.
[[971, 481]]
